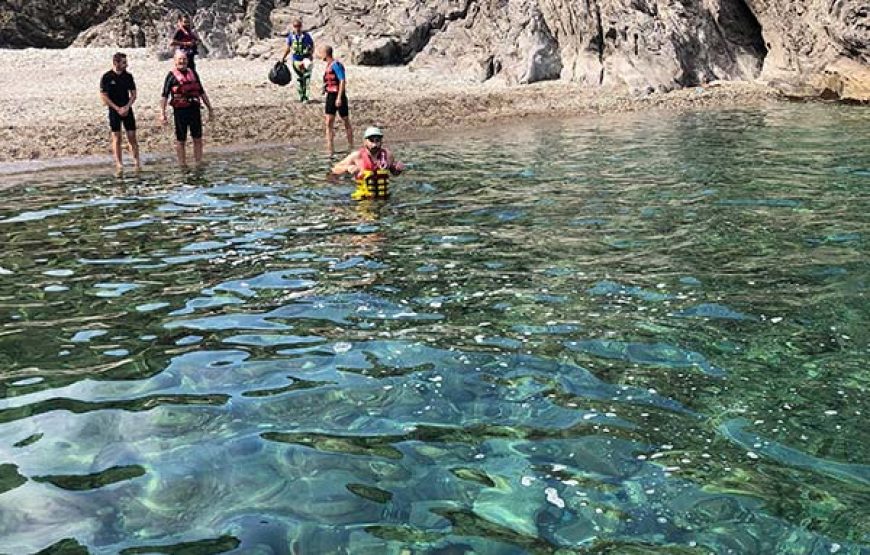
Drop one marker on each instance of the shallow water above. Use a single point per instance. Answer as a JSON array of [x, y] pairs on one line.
[[629, 335]]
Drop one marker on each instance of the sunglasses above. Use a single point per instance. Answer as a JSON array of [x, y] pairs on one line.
[[375, 139]]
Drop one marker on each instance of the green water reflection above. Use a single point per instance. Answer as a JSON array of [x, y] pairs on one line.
[[631, 335]]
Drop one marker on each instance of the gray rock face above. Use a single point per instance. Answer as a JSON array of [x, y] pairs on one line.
[[817, 47], [807, 47], [54, 24], [226, 27]]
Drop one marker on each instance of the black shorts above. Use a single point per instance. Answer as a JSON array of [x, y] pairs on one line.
[[190, 117], [115, 121], [331, 108]]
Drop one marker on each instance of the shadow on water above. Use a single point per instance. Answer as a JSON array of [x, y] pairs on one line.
[[634, 334]]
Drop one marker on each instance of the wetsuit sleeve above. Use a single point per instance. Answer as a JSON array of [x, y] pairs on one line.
[[167, 85], [338, 68]]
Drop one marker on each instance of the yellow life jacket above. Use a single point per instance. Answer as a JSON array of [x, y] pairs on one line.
[[373, 179]]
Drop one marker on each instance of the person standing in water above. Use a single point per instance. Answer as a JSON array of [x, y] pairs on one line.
[[335, 88], [186, 40], [183, 90], [301, 45], [371, 165], [118, 93]]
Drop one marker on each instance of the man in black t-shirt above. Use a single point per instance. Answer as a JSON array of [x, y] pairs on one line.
[[118, 92]]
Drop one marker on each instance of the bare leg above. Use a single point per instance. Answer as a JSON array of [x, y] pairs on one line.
[[348, 131], [134, 148], [179, 152], [116, 150], [330, 133], [197, 150]]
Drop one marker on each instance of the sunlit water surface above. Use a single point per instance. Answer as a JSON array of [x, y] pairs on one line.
[[624, 335]]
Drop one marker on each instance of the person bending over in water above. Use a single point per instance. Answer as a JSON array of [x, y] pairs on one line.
[[371, 165]]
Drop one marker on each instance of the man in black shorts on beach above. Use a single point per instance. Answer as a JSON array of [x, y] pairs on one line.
[[335, 88], [183, 90], [118, 92]]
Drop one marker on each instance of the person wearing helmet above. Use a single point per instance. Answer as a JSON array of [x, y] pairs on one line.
[[371, 166], [301, 45], [335, 88]]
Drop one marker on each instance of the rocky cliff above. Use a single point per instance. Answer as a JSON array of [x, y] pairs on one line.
[[805, 47]]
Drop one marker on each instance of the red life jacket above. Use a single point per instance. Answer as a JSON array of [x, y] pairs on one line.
[[330, 79], [373, 177], [187, 91], [188, 36]]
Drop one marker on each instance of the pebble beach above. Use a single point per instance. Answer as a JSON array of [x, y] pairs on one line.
[[51, 110]]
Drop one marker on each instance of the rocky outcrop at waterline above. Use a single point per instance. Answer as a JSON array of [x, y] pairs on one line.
[[804, 47], [816, 47]]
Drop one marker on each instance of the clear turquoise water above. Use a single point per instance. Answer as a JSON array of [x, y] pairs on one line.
[[636, 334]]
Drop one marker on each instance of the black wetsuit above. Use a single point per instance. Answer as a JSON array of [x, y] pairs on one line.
[[117, 87]]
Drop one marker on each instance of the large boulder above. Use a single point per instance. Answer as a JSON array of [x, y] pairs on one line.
[[48, 24]]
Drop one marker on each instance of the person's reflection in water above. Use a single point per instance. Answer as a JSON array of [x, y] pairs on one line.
[[365, 238]]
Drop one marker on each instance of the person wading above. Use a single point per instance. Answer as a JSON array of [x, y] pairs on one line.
[[118, 92], [183, 90], [335, 88], [371, 165]]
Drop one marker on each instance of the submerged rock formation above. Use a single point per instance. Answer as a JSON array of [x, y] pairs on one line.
[[805, 47]]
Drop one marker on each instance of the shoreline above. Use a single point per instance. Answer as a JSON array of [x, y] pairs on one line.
[[53, 121]]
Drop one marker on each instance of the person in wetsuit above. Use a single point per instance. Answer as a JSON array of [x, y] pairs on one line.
[[118, 93], [183, 90]]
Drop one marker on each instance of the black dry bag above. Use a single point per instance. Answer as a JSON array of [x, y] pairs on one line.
[[280, 74]]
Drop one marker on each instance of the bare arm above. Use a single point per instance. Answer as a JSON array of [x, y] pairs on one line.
[[341, 90], [286, 52], [395, 166], [347, 165], [132, 99], [207, 103], [163, 101], [108, 102]]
